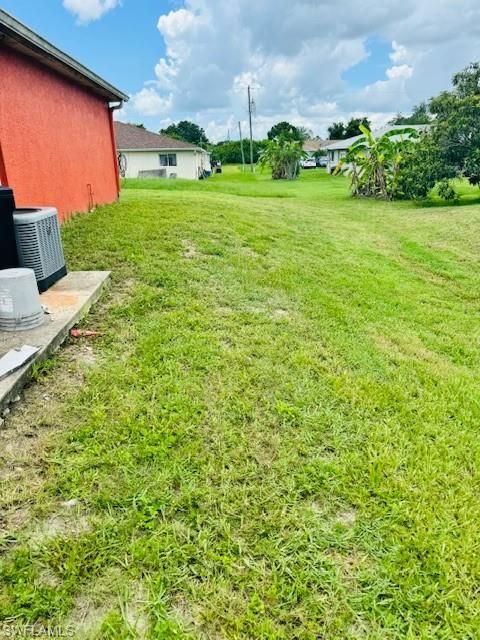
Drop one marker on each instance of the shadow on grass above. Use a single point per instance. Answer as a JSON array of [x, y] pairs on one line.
[[468, 195], [465, 201]]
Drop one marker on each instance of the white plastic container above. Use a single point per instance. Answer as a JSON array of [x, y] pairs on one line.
[[20, 307]]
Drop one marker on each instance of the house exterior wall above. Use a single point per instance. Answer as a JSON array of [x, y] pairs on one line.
[[189, 163], [56, 138], [334, 157]]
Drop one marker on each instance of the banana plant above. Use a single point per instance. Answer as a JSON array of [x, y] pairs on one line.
[[283, 157], [373, 163]]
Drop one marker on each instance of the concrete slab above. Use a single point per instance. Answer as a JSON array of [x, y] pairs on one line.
[[67, 302]]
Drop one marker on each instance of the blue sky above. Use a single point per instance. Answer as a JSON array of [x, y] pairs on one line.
[[310, 61], [373, 67], [123, 46]]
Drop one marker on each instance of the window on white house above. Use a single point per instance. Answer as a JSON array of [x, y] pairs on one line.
[[168, 159]]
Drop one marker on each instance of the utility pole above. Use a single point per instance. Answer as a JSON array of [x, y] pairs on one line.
[[251, 105], [241, 145]]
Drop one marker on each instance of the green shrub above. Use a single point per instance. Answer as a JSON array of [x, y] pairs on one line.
[[446, 191], [423, 166]]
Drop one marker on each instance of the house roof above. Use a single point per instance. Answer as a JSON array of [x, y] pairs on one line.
[[19, 37], [132, 138], [315, 144], [341, 145]]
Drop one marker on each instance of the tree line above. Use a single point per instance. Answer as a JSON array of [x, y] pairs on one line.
[[230, 151]]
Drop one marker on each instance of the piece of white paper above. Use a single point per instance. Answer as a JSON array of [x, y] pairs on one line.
[[16, 358]]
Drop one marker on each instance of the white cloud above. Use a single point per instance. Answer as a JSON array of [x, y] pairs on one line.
[[148, 102], [295, 54], [176, 23], [386, 95], [88, 10], [399, 53], [401, 72]]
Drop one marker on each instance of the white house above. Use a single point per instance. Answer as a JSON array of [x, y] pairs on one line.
[[338, 148], [144, 154]]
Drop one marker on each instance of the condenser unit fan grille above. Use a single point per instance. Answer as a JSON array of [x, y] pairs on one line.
[[29, 249], [40, 247]]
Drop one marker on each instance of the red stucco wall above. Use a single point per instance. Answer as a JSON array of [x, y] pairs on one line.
[[55, 137]]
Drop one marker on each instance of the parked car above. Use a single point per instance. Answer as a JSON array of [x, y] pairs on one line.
[[309, 163], [322, 162]]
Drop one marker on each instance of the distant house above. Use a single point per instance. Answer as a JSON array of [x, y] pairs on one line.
[[145, 154], [313, 145], [57, 146], [337, 149]]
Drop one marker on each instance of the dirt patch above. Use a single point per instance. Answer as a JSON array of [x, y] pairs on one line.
[[251, 253], [226, 344], [86, 355], [347, 517], [87, 617], [280, 314], [62, 525], [135, 610], [255, 309], [90, 610], [225, 311], [350, 565], [115, 293], [359, 629], [181, 611], [264, 453], [47, 578], [188, 617], [189, 250], [13, 520], [29, 432], [318, 508]]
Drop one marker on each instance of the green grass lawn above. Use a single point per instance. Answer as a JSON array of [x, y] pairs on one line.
[[276, 434]]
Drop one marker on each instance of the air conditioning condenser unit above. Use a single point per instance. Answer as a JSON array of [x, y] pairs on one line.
[[39, 244]]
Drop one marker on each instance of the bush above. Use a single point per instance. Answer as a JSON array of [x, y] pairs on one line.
[[422, 168], [446, 191]]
